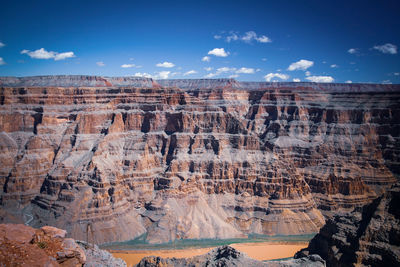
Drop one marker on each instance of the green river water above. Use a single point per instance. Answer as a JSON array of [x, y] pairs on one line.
[[141, 244]]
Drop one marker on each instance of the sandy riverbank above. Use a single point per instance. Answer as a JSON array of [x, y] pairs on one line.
[[259, 251]]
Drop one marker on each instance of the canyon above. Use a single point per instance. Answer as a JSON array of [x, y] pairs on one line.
[[117, 158]]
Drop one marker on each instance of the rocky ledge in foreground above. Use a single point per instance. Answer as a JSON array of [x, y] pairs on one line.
[[227, 256], [369, 236], [22, 245]]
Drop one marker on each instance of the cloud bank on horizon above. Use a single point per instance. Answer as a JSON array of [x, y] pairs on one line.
[[245, 40]]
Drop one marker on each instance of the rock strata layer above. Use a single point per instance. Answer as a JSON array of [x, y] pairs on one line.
[[368, 236], [112, 159]]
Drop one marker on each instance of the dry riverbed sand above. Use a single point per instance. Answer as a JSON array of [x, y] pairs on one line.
[[258, 251]]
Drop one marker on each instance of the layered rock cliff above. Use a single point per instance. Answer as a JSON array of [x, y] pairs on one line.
[[110, 159], [368, 236]]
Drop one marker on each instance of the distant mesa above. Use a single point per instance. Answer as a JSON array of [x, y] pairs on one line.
[[103, 81]]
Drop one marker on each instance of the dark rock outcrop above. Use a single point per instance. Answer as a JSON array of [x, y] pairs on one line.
[[368, 236], [228, 256]]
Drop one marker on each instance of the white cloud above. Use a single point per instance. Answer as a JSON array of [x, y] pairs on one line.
[[206, 59], [43, 54], [334, 66], [2, 44], [175, 73], [296, 80], [263, 39], [125, 66], [234, 71], [248, 37], [2, 62], [386, 82], [302, 64], [165, 64], [62, 56], [217, 36], [396, 73], [270, 76], [225, 69], [245, 70], [320, 79], [308, 73], [163, 75], [232, 37], [100, 64], [190, 72], [386, 48], [210, 75], [257, 70], [159, 75], [144, 75], [218, 52], [352, 51], [220, 71], [39, 54], [131, 58], [348, 81], [264, 59]]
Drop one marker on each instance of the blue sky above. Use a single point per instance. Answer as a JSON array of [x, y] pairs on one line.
[[327, 41]]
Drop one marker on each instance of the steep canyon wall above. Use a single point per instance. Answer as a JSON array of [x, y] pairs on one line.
[[111, 159]]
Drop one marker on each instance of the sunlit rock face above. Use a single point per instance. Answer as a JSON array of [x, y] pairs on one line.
[[22, 245], [111, 159]]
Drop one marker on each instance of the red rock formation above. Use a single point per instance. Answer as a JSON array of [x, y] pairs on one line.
[[113, 163], [22, 245]]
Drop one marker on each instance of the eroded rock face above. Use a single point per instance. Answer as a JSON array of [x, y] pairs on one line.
[[228, 256], [96, 257], [22, 245], [368, 236], [210, 159]]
